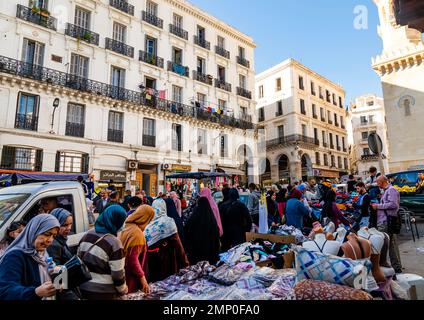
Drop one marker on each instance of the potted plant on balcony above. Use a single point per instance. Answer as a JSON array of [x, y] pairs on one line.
[[44, 12], [35, 9], [87, 36]]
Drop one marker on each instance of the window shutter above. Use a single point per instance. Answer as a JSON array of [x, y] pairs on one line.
[[38, 160], [8, 157], [57, 166], [85, 163]]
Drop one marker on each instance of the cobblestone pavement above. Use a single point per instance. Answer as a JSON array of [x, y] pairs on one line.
[[411, 255]]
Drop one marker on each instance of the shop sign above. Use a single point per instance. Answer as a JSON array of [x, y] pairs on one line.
[[116, 176], [329, 174], [180, 167]]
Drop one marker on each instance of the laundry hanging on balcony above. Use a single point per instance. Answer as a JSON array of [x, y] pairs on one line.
[[181, 70]]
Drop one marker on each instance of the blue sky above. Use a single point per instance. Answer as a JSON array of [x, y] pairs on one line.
[[318, 33]]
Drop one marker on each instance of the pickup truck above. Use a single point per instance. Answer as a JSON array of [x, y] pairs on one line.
[[23, 202]]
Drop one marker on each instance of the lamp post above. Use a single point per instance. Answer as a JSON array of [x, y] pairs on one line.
[[56, 103], [213, 165]]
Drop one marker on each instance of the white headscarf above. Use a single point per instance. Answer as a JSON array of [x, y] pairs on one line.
[[161, 226]]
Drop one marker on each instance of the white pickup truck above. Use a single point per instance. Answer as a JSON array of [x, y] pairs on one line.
[[24, 202]]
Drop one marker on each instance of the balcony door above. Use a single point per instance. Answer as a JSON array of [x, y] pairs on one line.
[[79, 66], [27, 112], [151, 46], [82, 18], [177, 56], [33, 52]]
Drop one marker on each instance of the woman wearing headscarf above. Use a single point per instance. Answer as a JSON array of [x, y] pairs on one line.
[[202, 234], [103, 254], [23, 267], [177, 202], [331, 211], [171, 211], [272, 209], [236, 221], [11, 233], [281, 200], [135, 248], [295, 209], [206, 192], [166, 254]]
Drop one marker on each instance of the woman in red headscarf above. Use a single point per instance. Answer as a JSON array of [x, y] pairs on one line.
[[295, 210]]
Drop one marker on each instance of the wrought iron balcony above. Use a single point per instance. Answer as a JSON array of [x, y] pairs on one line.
[[152, 19], [343, 126], [119, 47], [223, 85], [205, 78], [261, 119], [336, 124], [222, 52], [26, 122], [331, 146], [150, 59], [315, 116], [339, 148], [202, 43], [61, 79], [115, 135], [369, 157], [179, 32], [278, 114], [245, 117], [322, 119], [344, 150], [243, 62], [330, 122], [123, 6], [244, 93], [82, 34], [36, 15], [318, 162], [178, 69], [75, 129], [149, 141], [295, 139]]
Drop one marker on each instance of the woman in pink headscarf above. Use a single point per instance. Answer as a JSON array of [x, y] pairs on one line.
[[206, 192], [177, 202]]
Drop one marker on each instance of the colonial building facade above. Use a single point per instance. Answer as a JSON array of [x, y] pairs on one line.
[[305, 123], [367, 116], [401, 69], [129, 91]]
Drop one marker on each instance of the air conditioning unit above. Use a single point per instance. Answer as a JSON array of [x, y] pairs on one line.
[[132, 164], [166, 166]]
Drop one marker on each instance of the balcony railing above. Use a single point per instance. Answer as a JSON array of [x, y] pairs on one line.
[[119, 47], [336, 124], [325, 144], [178, 69], [322, 119], [115, 135], [331, 146], [42, 18], [205, 78], [243, 62], [344, 150], [369, 157], [261, 119], [330, 122], [82, 34], [150, 59], [26, 122], [149, 141], [75, 129], [245, 117], [202, 43], [244, 93], [223, 85], [292, 139], [123, 6], [278, 114], [315, 116], [343, 126], [66, 80], [152, 19], [179, 32], [222, 52], [339, 148]]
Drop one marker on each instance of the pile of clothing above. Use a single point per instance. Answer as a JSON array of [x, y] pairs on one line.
[[286, 230]]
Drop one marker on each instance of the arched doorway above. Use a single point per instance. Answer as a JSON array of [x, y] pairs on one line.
[[283, 168], [245, 157], [265, 171], [306, 167]]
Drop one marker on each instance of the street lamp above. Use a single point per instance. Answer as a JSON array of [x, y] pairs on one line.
[[56, 103]]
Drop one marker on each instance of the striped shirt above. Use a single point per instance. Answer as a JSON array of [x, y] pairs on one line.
[[106, 262]]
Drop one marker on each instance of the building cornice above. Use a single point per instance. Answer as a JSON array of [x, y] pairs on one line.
[[223, 27]]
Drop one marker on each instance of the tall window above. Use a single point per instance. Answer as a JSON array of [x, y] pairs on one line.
[[242, 81], [331, 140], [82, 18], [150, 83], [304, 130], [346, 165], [71, 162], [371, 119], [337, 141], [117, 77], [116, 121], [224, 148], [317, 158], [176, 137], [27, 112], [313, 88], [151, 46], [364, 135], [302, 106], [149, 133], [33, 52], [341, 121], [221, 42], [364, 120], [201, 65], [178, 21], [21, 158], [75, 120], [177, 94], [40, 3], [366, 151], [315, 133], [339, 162], [261, 114], [261, 92], [242, 52], [201, 142], [314, 110], [221, 73], [324, 140], [278, 84], [201, 33], [335, 119], [340, 102], [334, 99], [222, 104], [320, 92], [328, 95], [177, 56], [119, 32], [152, 8], [79, 66], [333, 161], [343, 143], [325, 159], [201, 98], [301, 86], [322, 113], [329, 116], [280, 131], [280, 108]]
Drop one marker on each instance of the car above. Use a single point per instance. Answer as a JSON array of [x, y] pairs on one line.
[[405, 182], [23, 202]]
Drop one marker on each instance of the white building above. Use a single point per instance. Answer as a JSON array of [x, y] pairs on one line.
[[162, 83], [401, 69], [305, 123], [367, 116]]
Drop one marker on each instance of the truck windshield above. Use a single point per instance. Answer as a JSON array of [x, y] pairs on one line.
[[9, 203]]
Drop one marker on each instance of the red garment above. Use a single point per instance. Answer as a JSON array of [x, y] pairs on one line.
[[281, 208], [183, 203], [135, 267]]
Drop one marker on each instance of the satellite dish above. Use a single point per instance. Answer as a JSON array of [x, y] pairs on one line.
[[375, 143]]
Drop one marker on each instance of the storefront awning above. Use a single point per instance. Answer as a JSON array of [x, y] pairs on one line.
[[6, 175], [196, 175], [231, 171]]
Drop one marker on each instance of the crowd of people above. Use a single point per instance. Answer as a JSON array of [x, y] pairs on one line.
[[141, 240]]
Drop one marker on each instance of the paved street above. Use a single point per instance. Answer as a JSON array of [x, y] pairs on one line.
[[412, 259]]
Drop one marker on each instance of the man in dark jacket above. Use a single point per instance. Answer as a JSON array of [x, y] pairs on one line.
[[102, 202], [253, 203]]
